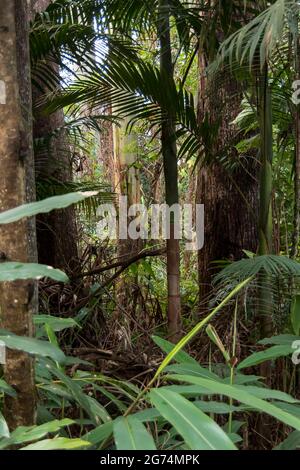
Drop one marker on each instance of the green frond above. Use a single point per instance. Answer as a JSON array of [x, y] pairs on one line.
[[272, 265], [259, 37], [52, 187]]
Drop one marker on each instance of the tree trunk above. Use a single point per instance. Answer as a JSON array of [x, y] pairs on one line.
[[18, 300], [230, 198], [169, 152], [265, 223], [296, 228], [126, 183], [57, 231]]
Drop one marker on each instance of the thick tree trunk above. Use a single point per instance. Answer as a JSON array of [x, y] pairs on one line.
[[296, 228], [169, 151], [230, 198], [18, 300]]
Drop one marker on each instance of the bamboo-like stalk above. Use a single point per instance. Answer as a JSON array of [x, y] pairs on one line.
[[169, 151]]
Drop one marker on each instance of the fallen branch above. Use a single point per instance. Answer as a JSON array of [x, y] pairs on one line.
[[123, 264]]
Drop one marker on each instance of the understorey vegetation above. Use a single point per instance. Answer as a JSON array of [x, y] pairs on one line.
[[149, 341]]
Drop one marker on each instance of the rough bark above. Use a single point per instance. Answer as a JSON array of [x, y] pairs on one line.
[[296, 228], [18, 300], [230, 198]]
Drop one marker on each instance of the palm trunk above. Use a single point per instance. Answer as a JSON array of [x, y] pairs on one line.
[[169, 151], [18, 300], [265, 210]]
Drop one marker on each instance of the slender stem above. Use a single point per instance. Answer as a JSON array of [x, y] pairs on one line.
[[265, 210], [233, 359], [169, 152]]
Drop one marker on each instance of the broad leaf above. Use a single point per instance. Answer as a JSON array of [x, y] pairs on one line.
[[198, 430], [181, 344], [58, 443], [56, 323], [32, 346], [41, 207], [295, 315], [7, 389], [32, 433], [167, 347], [292, 442], [4, 431], [131, 434], [99, 434], [243, 397], [12, 271], [269, 354]]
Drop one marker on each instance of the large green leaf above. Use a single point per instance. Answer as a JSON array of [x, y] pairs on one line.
[[283, 340], [198, 430], [191, 369], [32, 346], [100, 433], [295, 315], [56, 323], [243, 397], [269, 354], [216, 407], [267, 393], [181, 344], [5, 388], [167, 347], [47, 205], [4, 431], [33, 433], [99, 411], [58, 443], [74, 388], [12, 271], [131, 434], [292, 442]]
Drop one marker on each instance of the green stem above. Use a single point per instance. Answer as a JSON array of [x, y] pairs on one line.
[[233, 359]]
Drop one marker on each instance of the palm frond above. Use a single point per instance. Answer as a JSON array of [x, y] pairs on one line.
[[49, 187], [259, 37], [272, 265]]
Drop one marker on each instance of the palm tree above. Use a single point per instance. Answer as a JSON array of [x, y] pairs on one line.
[[139, 91]]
